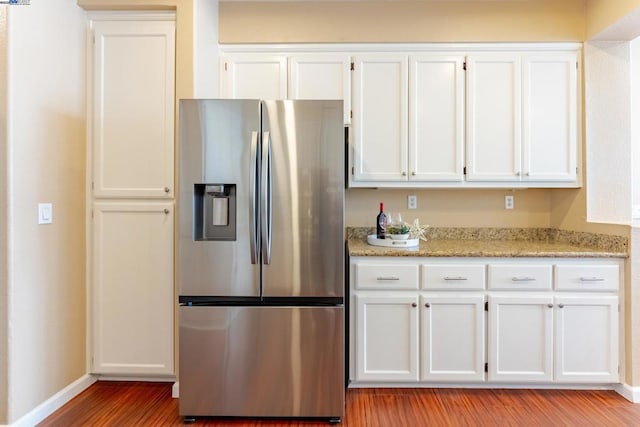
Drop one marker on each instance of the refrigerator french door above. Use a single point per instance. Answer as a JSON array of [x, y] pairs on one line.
[[260, 266]]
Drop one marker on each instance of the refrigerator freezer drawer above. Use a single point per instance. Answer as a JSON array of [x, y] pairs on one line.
[[262, 361]]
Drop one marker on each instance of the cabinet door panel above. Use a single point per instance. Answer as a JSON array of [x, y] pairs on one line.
[[493, 117], [436, 118], [254, 76], [132, 119], [586, 345], [386, 338], [380, 103], [452, 338], [520, 339], [321, 77], [550, 117], [132, 288]]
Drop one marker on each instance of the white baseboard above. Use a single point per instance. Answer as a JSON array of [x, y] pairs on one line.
[[632, 394], [175, 390], [54, 403]]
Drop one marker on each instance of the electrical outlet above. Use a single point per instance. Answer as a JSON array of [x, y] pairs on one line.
[[508, 202], [412, 202]]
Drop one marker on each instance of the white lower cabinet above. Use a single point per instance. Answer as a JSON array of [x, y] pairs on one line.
[[387, 339], [586, 339], [520, 338], [525, 321], [132, 290], [452, 338]]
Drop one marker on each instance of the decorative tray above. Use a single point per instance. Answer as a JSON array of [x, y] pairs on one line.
[[373, 240]]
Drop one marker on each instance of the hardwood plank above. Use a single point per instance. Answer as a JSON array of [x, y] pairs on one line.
[[108, 403]]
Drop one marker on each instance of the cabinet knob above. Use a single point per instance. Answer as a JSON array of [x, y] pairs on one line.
[[413, 304], [167, 189], [166, 211], [404, 174], [427, 305], [550, 305], [560, 305], [413, 174], [518, 173]]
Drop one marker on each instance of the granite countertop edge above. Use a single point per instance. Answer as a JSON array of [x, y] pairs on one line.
[[497, 242]]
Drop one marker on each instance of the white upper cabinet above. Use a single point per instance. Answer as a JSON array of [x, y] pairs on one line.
[[132, 111], [436, 117], [550, 130], [488, 115], [493, 117], [522, 117], [321, 76], [380, 103], [253, 76]]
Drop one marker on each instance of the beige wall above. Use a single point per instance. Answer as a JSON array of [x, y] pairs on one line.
[[45, 134], [608, 16], [452, 208], [401, 21]]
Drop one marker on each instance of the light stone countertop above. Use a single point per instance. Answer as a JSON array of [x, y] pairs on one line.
[[497, 243]]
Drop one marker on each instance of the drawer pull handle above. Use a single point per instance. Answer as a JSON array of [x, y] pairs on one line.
[[592, 279], [523, 279], [455, 278], [387, 278]]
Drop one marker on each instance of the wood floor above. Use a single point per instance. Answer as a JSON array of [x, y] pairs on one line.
[[150, 404]]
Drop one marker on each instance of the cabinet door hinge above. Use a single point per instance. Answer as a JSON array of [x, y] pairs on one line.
[[486, 367], [353, 66], [486, 306]]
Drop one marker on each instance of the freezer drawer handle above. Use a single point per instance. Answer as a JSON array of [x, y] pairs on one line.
[[387, 278], [455, 278]]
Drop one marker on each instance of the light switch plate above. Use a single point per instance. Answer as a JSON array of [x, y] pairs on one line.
[[45, 213]]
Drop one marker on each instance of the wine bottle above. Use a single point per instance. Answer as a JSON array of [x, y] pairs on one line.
[[381, 223]]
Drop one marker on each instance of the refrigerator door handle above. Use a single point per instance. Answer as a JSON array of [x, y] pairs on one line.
[[253, 203], [266, 198]]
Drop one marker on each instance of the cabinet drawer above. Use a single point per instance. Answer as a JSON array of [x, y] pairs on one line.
[[386, 276], [587, 277], [453, 277], [520, 277]]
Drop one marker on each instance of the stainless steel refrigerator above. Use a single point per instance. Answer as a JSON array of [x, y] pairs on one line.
[[260, 269]]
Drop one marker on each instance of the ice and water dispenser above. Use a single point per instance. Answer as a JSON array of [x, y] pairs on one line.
[[215, 212]]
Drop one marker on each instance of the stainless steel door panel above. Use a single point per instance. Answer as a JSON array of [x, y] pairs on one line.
[[215, 148], [262, 361], [307, 199]]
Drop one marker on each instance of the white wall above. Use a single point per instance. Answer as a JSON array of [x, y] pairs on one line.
[[635, 129], [608, 131], [45, 163], [206, 51]]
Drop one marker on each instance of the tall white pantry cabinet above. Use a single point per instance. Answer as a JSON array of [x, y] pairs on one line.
[[130, 172]]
